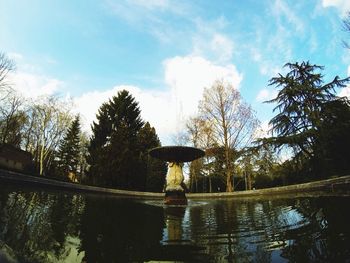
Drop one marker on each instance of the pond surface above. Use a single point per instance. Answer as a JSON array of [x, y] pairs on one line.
[[46, 226]]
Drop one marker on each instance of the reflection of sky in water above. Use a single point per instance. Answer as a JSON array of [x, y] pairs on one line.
[[291, 218]]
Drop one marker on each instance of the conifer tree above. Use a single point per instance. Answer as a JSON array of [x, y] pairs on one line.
[[152, 170], [118, 150], [113, 150], [69, 150], [312, 120]]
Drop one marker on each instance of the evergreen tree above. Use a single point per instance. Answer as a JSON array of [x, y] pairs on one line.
[[312, 120], [300, 102], [113, 150], [69, 150], [118, 150], [333, 140], [153, 171]]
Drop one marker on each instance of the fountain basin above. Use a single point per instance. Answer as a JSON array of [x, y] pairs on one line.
[[179, 154]]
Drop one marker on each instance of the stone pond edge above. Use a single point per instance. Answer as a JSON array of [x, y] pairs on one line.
[[333, 184]]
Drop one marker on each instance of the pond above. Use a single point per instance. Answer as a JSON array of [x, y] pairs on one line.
[[56, 226]]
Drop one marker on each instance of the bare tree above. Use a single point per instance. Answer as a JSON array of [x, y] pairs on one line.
[[48, 121], [233, 122], [12, 118], [193, 127], [200, 134], [6, 66]]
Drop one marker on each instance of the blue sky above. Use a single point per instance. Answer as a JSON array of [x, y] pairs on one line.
[[166, 52]]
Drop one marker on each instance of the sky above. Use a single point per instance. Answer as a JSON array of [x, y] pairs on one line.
[[166, 52]]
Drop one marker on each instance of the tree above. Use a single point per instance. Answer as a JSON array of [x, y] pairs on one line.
[[12, 115], [47, 120], [83, 154], [333, 142], [232, 120], [12, 119], [69, 149], [6, 66], [118, 144], [304, 110], [200, 134], [151, 169], [194, 127], [299, 104]]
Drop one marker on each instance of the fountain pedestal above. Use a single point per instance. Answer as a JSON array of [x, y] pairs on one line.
[[175, 155], [174, 185]]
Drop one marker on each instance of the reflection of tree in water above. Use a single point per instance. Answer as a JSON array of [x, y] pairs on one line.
[[35, 225], [240, 223], [297, 230], [326, 237], [117, 230]]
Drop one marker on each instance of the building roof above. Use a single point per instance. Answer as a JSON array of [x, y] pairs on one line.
[[11, 152]]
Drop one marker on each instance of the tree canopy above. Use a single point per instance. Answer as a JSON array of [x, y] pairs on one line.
[[119, 144], [305, 106], [69, 149], [225, 122]]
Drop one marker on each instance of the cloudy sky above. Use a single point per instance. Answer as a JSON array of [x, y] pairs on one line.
[[166, 51]]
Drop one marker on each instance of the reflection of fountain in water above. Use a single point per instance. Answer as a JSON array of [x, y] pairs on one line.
[[177, 234], [173, 232]]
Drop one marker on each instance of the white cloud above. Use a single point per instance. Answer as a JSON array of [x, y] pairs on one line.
[[166, 110], [15, 56], [281, 8], [266, 94], [188, 76], [33, 85], [151, 16], [152, 4], [268, 68], [210, 43], [345, 92], [256, 54], [222, 46], [264, 130], [343, 6], [218, 48], [263, 95]]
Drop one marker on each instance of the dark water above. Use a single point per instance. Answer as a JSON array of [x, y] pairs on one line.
[[37, 226]]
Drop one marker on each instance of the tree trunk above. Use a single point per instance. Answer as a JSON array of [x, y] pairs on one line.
[[249, 182], [41, 161], [229, 186], [210, 186]]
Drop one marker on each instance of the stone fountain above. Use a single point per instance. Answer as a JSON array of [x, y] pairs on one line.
[[175, 156]]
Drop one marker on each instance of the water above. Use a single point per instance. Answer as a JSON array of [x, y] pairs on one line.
[[46, 226]]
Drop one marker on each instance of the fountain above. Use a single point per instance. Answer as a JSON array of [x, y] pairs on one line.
[[175, 156]]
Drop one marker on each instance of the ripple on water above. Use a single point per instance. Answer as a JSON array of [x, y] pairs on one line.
[[160, 203]]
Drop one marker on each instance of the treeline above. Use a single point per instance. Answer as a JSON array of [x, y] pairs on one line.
[[36, 126], [311, 129], [115, 155]]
